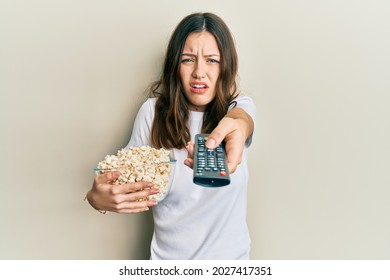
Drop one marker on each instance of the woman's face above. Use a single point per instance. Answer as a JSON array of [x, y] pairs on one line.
[[199, 69]]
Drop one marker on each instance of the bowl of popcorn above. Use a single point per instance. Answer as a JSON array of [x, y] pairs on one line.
[[143, 163]]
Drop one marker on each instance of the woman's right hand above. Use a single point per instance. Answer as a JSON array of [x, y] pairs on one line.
[[125, 198]]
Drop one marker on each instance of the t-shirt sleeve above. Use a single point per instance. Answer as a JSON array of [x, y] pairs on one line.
[[246, 103], [140, 135]]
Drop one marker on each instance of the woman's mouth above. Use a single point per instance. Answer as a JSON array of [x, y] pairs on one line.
[[198, 87]]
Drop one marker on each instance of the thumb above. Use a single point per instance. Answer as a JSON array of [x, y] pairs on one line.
[[219, 133], [107, 177]]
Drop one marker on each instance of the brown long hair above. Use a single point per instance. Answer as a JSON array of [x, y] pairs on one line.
[[169, 129]]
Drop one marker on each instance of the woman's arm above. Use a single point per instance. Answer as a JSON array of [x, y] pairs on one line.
[[236, 128]]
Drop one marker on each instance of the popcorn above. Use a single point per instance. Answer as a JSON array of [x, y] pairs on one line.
[[141, 164]]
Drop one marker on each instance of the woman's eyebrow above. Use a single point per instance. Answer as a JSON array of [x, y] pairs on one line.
[[188, 54], [207, 55]]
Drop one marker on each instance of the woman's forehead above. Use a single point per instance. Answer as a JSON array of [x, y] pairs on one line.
[[201, 41]]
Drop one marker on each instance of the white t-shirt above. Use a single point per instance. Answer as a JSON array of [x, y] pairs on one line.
[[195, 222]]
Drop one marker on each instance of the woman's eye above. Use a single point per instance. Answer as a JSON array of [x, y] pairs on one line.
[[186, 60], [211, 60]]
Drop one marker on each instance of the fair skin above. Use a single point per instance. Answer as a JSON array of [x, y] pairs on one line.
[[120, 198], [199, 69], [199, 74]]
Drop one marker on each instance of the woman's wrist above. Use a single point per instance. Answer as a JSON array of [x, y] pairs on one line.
[[87, 198], [245, 122]]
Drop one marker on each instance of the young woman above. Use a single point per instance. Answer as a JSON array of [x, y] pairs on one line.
[[196, 93]]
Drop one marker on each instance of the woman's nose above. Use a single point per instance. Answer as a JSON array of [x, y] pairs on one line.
[[199, 70]]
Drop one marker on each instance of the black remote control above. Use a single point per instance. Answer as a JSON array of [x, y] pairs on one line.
[[210, 169]]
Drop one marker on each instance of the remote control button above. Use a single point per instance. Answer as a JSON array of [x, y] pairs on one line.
[[222, 173]]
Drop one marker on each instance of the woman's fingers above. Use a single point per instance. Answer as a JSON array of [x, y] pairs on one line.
[[131, 187], [107, 177]]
